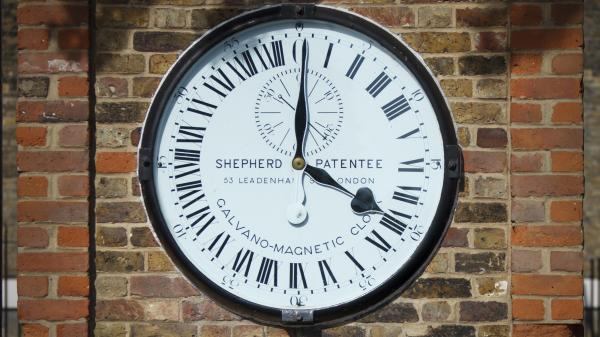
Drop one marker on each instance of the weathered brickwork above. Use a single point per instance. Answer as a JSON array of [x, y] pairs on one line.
[[546, 138], [510, 264], [52, 160]]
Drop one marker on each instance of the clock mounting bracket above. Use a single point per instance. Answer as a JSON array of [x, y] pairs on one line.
[[145, 164], [297, 315], [454, 161]]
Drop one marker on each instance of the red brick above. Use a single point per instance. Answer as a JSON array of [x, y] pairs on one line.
[[491, 138], [35, 38], [116, 162], [73, 236], [547, 330], [525, 113], [490, 41], [525, 64], [567, 113], [52, 161], [32, 186], [52, 262], [565, 64], [52, 310], [119, 310], [73, 186], [73, 38], [480, 161], [566, 261], [52, 211], [135, 136], [567, 14], [545, 88], [546, 139], [525, 210], [32, 286], [32, 237], [527, 162], [564, 161], [543, 285], [58, 62], [525, 261], [563, 309], [73, 286], [73, 136], [546, 236], [456, 237], [481, 17], [73, 86], [526, 15], [52, 111], [54, 15], [31, 135], [34, 330], [527, 309], [546, 185], [396, 16], [548, 38], [565, 211], [72, 330]]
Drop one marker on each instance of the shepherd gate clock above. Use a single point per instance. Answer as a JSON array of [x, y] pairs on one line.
[[299, 164]]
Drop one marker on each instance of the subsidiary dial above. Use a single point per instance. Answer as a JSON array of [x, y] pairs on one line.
[[275, 108]]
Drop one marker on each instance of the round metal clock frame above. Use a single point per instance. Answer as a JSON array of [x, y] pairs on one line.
[[403, 277]]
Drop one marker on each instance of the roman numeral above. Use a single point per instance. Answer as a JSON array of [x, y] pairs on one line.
[[409, 133], [187, 155], [194, 134], [358, 60], [405, 197], [243, 259], [250, 68], [225, 83], [203, 213], [326, 273], [223, 244], [264, 272], [411, 165], [197, 110], [392, 223], [295, 271], [351, 257], [378, 84], [328, 55], [205, 225], [195, 187], [396, 107], [235, 70], [378, 241]]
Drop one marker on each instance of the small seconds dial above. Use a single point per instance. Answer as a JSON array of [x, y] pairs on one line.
[[275, 108]]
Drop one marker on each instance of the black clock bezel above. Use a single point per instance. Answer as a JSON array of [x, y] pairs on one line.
[[430, 244]]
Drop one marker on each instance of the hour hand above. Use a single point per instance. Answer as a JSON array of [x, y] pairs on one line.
[[362, 202]]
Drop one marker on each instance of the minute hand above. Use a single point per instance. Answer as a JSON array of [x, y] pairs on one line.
[[362, 202]]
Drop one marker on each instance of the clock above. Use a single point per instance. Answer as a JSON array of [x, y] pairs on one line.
[[299, 165]]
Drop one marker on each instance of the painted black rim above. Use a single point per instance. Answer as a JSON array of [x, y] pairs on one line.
[[413, 268]]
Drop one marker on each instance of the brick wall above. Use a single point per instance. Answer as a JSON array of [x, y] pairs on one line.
[[52, 160], [509, 266]]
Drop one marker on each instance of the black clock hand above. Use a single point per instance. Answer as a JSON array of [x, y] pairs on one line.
[[301, 117], [362, 202]]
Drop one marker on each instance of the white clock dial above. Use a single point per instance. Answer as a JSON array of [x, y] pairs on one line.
[[224, 179]]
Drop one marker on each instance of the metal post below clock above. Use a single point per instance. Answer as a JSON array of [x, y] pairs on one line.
[[299, 165]]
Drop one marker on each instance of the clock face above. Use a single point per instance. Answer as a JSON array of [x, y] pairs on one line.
[[247, 226]]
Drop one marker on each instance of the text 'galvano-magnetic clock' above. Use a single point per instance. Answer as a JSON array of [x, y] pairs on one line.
[[299, 165]]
